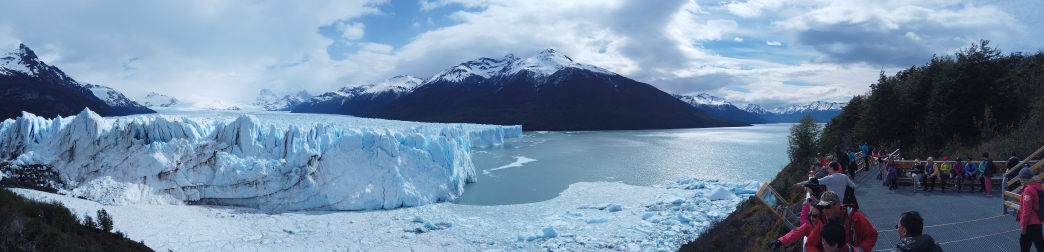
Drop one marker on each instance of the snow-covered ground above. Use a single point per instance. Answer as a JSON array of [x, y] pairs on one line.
[[588, 216]]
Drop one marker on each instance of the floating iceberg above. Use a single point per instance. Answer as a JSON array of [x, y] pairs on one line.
[[273, 162]]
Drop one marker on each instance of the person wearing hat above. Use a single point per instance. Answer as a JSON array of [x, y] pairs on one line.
[[814, 190], [1028, 220], [863, 236]]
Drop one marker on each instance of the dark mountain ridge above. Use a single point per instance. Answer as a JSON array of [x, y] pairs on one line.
[[545, 92], [30, 85]]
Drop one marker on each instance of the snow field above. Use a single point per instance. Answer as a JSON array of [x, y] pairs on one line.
[[588, 216], [269, 161]]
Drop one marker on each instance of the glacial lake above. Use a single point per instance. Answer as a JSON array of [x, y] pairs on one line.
[[540, 165]]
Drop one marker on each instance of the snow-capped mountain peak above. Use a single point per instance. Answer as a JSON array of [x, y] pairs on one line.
[[23, 61], [814, 106], [548, 62], [704, 99], [270, 101], [154, 99], [16, 61], [755, 109], [483, 67], [111, 96], [543, 64], [397, 84]]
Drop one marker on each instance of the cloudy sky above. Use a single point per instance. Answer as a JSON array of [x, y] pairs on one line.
[[769, 52]]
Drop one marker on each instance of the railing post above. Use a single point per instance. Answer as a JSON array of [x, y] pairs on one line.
[[1004, 188]]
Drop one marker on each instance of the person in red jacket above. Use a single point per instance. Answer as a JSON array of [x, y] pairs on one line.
[[1027, 217], [863, 235], [795, 235]]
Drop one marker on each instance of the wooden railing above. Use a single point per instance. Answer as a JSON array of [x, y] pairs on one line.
[[778, 205], [1014, 196]]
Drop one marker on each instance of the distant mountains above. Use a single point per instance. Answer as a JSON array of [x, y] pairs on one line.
[[268, 100], [544, 92], [28, 84], [753, 113]]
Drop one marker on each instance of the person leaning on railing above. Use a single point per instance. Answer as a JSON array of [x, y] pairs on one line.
[[794, 236]]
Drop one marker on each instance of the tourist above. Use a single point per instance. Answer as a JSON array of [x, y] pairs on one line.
[[1012, 162], [865, 149], [822, 159], [865, 235], [958, 175], [809, 223], [833, 240], [917, 173], [1029, 221], [910, 237], [971, 174], [836, 181], [987, 174], [945, 171], [813, 189], [933, 174], [851, 163], [893, 175], [842, 159], [1012, 170]]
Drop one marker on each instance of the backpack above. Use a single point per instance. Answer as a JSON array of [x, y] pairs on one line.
[[991, 168], [1040, 204], [849, 198]]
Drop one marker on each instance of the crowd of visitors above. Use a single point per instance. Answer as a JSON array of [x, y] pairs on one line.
[[831, 223]]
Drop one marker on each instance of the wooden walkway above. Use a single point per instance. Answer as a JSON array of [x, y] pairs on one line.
[[958, 221]]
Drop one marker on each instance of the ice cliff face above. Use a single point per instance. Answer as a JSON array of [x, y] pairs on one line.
[[244, 162]]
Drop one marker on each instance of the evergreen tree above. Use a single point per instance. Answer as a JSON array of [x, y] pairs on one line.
[[105, 220], [803, 140]]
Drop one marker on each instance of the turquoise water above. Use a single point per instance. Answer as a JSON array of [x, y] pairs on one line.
[[540, 165]]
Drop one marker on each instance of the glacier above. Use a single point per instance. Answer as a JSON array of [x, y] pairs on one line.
[[269, 161]]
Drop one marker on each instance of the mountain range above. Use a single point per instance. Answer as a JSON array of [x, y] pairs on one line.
[[545, 92], [268, 100], [753, 113], [28, 84]]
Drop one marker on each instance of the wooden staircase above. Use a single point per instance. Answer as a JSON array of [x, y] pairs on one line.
[[1011, 198]]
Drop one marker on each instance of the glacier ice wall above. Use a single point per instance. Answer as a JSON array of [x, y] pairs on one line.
[[245, 162]]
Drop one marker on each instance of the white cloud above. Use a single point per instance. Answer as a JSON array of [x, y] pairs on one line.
[[352, 31], [912, 36], [233, 49], [752, 8]]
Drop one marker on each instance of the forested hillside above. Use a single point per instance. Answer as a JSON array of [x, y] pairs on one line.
[[976, 100]]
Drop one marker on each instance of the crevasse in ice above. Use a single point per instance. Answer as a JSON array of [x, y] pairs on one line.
[[246, 162]]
